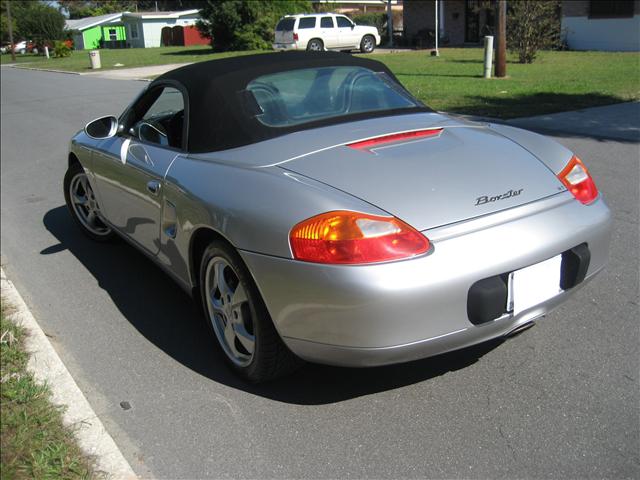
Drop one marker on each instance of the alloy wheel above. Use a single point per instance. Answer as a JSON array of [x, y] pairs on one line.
[[367, 44], [229, 311], [85, 205]]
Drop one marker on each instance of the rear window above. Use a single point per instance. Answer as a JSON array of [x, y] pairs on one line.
[[326, 22], [300, 96], [285, 25], [307, 22]]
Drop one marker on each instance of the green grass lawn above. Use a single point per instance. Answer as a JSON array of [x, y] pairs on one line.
[[555, 82], [130, 57], [33, 441]]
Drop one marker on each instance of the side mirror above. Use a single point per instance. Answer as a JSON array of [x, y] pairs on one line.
[[353, 25], [101, 128]]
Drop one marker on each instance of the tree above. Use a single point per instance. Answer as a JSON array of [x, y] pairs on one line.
[[43, 24], [35, 21], [532, 26], [92, 8], [245, 24]]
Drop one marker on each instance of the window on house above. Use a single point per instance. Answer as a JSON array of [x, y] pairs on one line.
[[112, 34], [134, 30], [610, 8]]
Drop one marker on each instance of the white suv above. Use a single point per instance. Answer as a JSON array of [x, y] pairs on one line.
[[324, 31]]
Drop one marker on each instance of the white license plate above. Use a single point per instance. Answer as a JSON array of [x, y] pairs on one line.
[[535, 284]]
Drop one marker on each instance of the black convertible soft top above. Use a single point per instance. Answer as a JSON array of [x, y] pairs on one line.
[[216, 116]]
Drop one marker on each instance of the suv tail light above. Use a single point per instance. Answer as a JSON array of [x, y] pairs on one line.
[[295, 37], [578, 181], [343, 237]]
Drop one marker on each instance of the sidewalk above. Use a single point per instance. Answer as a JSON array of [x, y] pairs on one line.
[[620, 121], [138, 73]]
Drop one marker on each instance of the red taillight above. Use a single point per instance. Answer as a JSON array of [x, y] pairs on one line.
[[578, 181], [295, 37], [344, 237], [396, 137]]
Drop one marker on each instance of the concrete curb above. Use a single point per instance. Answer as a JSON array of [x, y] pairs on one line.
[[43, 69], [47, 367]]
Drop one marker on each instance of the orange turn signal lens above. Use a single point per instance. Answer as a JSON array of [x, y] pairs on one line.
[[344, 237], [578, 181]]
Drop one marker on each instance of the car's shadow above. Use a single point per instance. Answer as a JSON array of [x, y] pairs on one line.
[[167, 317]]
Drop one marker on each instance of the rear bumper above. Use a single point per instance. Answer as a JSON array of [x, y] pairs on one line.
[[285, 46], [400, 311]]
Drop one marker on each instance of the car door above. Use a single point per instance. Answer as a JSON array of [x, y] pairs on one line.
[[307, 30], [130, 168], [346, 33], [329, 32]]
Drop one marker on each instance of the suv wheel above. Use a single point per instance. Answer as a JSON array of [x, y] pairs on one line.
[[368, 44], [315, 45]]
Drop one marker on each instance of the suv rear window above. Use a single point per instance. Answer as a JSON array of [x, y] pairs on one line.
[[307, 22], [301, 96], [286, 24]]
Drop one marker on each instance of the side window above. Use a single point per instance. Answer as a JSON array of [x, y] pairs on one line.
[[307, 22], [160, 118], [343, 22], [326, 22]]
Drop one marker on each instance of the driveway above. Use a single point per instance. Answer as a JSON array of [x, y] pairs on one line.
[[560, 400]]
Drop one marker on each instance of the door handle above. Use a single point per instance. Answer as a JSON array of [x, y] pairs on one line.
[[153, 186]]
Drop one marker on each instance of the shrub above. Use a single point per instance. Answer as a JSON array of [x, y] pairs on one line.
[[532, 26], [61, 49]]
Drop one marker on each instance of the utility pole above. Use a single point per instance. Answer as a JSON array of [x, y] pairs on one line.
[[437, 54], [390, 23], [13, 54], [501, 52]]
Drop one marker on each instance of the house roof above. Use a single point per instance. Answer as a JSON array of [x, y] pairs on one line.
[[88, 22], [85, 23], [154, 15]]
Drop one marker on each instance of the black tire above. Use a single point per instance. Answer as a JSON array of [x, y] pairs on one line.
[[367, 44], [270, 358], [315, 45], [102, 232]]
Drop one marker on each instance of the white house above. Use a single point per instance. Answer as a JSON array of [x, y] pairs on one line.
[[156, 29], [612, 25], [137, 30]]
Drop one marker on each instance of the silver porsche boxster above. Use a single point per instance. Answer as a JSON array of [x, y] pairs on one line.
[[316, 210]]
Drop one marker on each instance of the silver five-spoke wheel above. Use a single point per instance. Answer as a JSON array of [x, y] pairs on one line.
[[368, 44], [229, 311], [315, 45], [85, 205]]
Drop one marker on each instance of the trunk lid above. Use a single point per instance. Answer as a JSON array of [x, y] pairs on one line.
[[461, 173]]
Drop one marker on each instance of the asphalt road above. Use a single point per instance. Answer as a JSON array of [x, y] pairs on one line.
[[560, 400]]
